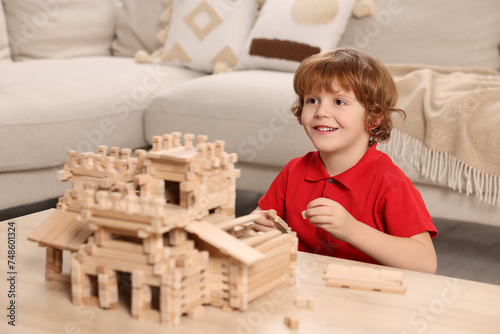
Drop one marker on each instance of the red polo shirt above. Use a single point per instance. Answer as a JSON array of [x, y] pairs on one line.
[[375, 191]]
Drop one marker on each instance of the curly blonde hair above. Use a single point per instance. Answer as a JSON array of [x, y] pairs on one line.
[[354, 71]]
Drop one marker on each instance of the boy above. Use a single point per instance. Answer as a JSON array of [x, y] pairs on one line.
[[356, 202]]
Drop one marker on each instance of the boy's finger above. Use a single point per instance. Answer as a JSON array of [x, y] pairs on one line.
[[320, 201], [262, 228], [264, 213], [264, 220], [263, 224]]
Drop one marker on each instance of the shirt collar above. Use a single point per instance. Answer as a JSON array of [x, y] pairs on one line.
[[316, 170]]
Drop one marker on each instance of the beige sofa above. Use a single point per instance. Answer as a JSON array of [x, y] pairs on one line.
[[65, 86]]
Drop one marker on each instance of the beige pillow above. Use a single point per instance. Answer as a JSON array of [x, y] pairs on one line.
[[60, 28], [444, 32], [4, 38], [206, 33], [288, 31], [138, 27]]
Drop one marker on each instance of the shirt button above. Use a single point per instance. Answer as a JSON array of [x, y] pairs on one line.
[[330, 181]]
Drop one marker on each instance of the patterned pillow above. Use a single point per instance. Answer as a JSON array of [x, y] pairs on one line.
[[205, 33], [288, 31]]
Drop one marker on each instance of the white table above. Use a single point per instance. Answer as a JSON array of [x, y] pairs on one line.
[[431, 304]]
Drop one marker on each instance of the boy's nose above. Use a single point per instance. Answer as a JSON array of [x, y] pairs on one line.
[[322, 111]]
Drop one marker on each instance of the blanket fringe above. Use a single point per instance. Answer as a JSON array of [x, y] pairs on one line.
[[443, 168]]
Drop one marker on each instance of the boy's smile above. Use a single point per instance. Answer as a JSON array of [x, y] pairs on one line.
[[334, 121], [324, 128]]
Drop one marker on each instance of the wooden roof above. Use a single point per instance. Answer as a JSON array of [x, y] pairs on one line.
[[224, 242], [61, 230]]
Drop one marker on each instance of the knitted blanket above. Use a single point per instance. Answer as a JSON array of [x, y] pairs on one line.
[[452, 126]]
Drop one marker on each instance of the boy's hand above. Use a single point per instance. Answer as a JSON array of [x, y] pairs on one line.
[[331, 216], [264, 223]]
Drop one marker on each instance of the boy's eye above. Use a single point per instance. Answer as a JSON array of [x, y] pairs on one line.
[[311, 100], [339, 102]]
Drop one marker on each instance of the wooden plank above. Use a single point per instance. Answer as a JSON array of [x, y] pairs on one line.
[[216, 199], [364, 274], [227, 225], [359, 285], [176, 154], [120, 255], [261, 237], [283, 239], [45, 231], [62, 230], [93, 262], [169, 176], [118, 224], [364, 278], [266, 288], [75, 234], [268, 263], [277, 269], [225, 242], [124, 246]]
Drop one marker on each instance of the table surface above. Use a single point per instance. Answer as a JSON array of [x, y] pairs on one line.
[[431, 304]]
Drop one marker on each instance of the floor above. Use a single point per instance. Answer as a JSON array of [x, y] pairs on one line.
[[465, 250]]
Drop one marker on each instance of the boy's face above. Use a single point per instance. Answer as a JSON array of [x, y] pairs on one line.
[[335, 122]]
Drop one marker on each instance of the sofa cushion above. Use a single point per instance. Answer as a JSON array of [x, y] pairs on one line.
[[138, 27], [4, 38], [51, 106], [286, 32], [203, 33], [60, 29], [444, 32], [250, 110]]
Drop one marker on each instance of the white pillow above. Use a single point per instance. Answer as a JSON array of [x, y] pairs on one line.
[[4, 38], [288, 31], [203, 33], [60, 29], [138, 27]]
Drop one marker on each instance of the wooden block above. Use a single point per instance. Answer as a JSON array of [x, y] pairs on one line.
[[391, 275], [157, 143], [188, 141], [196, 313], [280, 223], [107, 287], [364, 278], [359, 285], [304, 302], [292, 322], [176, 139], [53, 266], [76, 281]]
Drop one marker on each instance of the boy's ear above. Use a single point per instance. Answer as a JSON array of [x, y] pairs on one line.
[[376, 123]]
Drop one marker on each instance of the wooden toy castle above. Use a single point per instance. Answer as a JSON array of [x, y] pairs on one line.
[[163, 221]]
